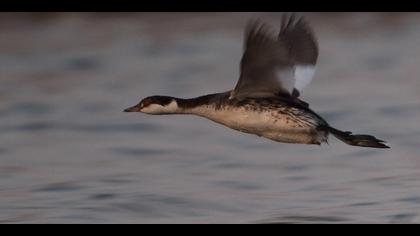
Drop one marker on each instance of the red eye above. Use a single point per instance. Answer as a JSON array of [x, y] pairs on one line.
[[145, 103]]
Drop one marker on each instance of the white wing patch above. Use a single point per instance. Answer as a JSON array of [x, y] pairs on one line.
[[286, 79], [303, 76]]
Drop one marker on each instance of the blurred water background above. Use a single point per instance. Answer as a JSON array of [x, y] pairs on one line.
[[70, 155]]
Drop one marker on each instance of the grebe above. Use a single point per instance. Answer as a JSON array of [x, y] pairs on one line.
[[265, 101]]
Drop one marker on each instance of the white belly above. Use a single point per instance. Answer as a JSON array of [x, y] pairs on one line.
[[268, 124]]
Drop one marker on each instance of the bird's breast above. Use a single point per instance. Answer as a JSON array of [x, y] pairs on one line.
[[256, 120]]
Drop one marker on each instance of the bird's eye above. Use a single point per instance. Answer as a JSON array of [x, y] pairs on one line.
[[144, 104]]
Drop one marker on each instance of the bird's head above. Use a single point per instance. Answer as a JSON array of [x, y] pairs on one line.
[[155, 105]]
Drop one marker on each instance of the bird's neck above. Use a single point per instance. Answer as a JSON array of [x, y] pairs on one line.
[[199, 105]]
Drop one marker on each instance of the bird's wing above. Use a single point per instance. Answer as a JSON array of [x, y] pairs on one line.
[[273, 66]]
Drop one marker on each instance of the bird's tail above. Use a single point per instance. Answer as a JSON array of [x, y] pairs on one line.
[[361, 140]]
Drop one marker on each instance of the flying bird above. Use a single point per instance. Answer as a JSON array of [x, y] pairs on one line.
[[274, 70]]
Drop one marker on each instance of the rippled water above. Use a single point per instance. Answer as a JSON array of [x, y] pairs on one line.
[[70, 155]]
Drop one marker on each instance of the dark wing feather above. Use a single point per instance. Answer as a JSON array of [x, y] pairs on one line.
[[268, 63], [297, 34]]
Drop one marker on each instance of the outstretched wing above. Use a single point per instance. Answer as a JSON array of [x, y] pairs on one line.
[[273, 66]]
